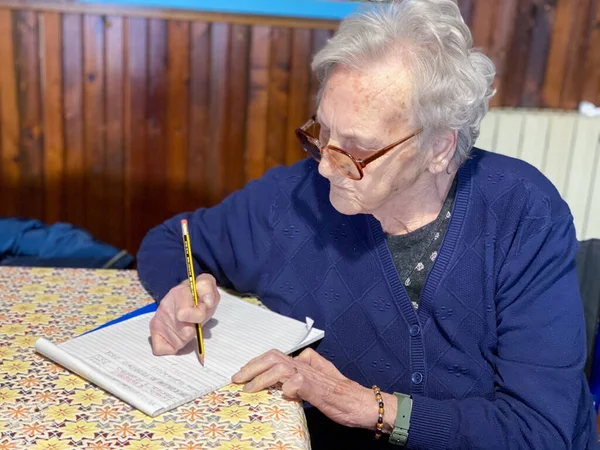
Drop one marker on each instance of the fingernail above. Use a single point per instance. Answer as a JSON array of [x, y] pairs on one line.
[[208, 299], [247, 387]]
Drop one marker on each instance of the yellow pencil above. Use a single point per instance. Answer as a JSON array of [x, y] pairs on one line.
[[187, 246]]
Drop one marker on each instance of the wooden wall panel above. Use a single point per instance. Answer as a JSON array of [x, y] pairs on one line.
[[116, 122], [258, 102], [156, 151], [279, 79], [199, 124], [216, 161], [53, 115], [299, 94], [136, 202], [236, 113], [94, 132], [177, 112], [114, 110], [30, 110], [74, 183], [10, 128]]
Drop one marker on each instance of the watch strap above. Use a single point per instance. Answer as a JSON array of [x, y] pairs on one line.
[[399, 434]]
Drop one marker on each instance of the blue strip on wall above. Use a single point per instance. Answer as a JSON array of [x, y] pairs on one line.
[[311, 9]]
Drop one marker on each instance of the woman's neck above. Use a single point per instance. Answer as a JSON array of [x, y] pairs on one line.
[[417, 206]]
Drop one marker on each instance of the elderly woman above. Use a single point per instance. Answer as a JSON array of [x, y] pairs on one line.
[[442, 274]]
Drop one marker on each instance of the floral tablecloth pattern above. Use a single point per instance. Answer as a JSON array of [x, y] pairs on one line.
[[45, 407]]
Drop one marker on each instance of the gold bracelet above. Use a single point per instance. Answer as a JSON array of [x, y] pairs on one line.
[[379, 424]]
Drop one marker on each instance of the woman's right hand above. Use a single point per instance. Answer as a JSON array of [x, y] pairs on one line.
[[172, 326]]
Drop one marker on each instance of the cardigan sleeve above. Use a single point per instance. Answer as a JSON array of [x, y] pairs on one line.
[[540, 357], [229, 241]]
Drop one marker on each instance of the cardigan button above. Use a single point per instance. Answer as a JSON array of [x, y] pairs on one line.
[[414, 330], [417, 378]]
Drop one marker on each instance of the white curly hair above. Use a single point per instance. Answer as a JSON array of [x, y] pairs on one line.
[[454, 82]]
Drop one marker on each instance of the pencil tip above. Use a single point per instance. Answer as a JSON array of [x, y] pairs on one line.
[[201, 358]]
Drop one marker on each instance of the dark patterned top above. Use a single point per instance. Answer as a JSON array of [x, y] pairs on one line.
[[414, 253]]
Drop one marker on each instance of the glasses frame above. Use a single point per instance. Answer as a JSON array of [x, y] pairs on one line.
[[359, 163]]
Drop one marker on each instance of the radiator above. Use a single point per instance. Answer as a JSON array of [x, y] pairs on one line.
[[563, 145]]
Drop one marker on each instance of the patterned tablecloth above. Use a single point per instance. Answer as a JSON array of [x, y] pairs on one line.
[[44, 407]]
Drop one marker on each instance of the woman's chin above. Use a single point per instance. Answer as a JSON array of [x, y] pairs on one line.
[[343, 203]]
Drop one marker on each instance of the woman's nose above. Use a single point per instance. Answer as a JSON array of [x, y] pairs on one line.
[[325, 168]]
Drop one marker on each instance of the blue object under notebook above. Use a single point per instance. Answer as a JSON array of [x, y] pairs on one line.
[[151, 307]]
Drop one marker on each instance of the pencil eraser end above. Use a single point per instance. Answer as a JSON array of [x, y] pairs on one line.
[[183, 221]]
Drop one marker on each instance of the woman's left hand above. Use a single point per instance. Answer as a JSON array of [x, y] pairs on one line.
[[314, 379]]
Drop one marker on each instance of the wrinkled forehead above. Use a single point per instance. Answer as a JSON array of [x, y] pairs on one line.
[[378, 96]]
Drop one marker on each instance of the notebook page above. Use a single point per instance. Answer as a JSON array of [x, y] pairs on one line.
[[232, 333], [121, 355]]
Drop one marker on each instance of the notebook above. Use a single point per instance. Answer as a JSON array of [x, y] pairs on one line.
[[119, 359]]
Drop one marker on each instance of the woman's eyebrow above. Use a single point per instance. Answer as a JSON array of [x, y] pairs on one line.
[[352, 138]]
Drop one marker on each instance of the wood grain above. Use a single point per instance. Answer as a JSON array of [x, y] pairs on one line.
[[233, 153], [591, 82], [319, 39], [31, 156], [511, 88], [75, 169], [95, 205], [199, 138], [535, 73], [559, 53], [482, 25], [54, 154], [135, 90], [11, 175], [279, 79], [156, 107], [501, 39], [574, 75], [298, 112], [218, 118], [114, 119], [133, 118], [177, 115], [258, 101]]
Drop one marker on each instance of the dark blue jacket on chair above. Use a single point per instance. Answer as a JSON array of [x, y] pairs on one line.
[[25, 242]]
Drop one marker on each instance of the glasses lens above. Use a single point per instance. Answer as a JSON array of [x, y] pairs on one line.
[[344, 164], [309, 146]]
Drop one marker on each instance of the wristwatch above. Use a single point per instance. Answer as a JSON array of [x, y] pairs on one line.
[[399, 434]]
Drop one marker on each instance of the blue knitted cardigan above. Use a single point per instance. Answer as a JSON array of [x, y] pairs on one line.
[[493, 357]]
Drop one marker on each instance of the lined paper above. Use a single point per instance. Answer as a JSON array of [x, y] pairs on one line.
[[119, 358]]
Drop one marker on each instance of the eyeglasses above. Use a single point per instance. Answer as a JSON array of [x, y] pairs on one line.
[[344, 162]]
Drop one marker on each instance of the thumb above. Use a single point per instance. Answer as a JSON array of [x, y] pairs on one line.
[[319, 363]]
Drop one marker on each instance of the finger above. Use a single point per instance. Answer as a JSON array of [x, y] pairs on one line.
[[168, 334], [293, 386], [259, 365], [311, 357], [160, 346], [193, 314], [280, 372]]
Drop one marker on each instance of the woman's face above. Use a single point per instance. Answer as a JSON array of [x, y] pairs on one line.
[[362, 112]]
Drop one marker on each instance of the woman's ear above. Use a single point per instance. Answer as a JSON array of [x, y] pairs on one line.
[[442, 151]]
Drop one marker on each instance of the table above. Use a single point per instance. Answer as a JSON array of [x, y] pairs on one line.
[[43, 406]]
